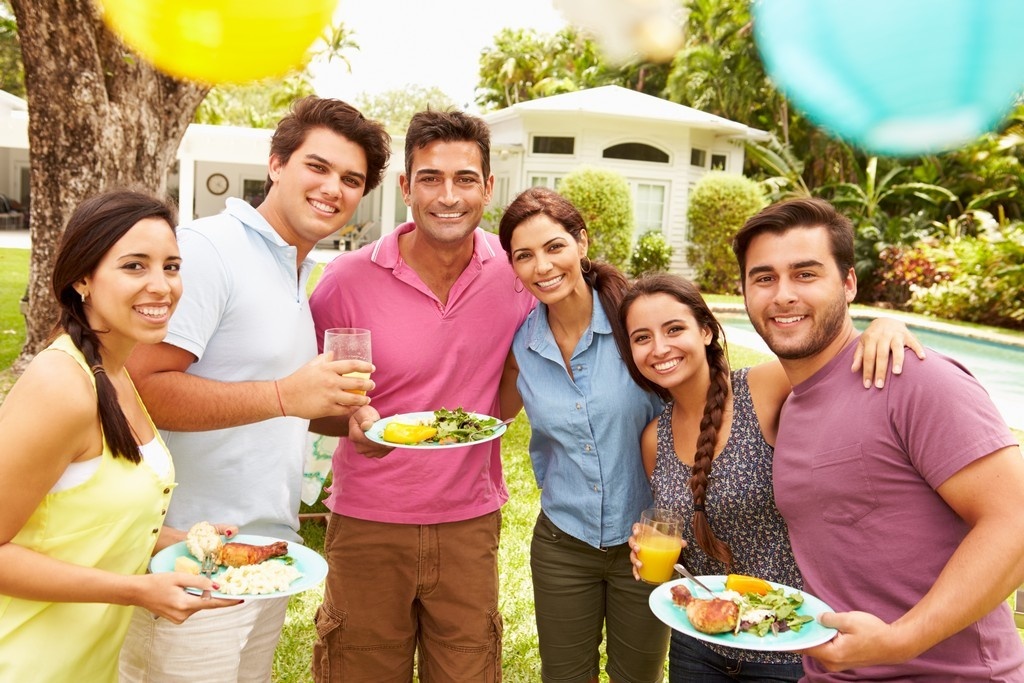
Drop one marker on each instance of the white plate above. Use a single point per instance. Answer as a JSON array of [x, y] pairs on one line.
[[810, 634], [310, 564], [376, 432]]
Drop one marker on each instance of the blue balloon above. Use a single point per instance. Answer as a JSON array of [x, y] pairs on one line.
[[896, 77]]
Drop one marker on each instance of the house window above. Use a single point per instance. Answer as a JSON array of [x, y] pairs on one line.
[[500, 195], [550, 144], [649, 206], [252, 191], [698, 157], [549, 181], [718, 162], [635, 151]]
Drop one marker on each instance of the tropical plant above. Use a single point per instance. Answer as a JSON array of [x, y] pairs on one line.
[[394, 108], [719, 206], [12, 71], [984, 279], [260, 104], [783, 169], [604, 200], [865, 203], [719, 71]]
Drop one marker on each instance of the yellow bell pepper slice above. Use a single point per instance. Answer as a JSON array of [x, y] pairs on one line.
[[407, 434]]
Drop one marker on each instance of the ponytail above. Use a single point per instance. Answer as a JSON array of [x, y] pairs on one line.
[[610, 285], [93, 228]]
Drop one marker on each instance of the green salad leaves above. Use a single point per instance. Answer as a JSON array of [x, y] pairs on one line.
[[458, 426], [782, 606]]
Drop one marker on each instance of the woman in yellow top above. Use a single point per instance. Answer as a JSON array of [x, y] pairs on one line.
[[84, 476]]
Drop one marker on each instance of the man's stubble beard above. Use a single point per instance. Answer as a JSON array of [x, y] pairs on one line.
[[823, 333]]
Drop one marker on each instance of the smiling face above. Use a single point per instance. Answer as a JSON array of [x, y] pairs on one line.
[[447, 190], [318, 189], [135, 287], [546, 259], [795, 296], [667, 343]]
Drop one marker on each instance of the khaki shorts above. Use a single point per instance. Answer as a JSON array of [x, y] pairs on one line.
[[226, 645], [580, 591], [393, 589]]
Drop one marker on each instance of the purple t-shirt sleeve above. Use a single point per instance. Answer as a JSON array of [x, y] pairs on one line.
[[945, 418]]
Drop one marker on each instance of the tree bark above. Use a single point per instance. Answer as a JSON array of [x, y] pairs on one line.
[[99, 118]]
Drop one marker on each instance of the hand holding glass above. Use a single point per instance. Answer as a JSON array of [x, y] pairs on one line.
[[659, 542], [348, 343]]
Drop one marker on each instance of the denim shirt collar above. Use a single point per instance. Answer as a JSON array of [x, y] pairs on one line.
[[541, 340]]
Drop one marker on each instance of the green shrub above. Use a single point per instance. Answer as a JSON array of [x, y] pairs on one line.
[[985, 278], [719, 205], [652, 254], [604, 201]]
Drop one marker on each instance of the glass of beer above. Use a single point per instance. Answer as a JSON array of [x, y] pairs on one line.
[[660, 540], [349, 343]]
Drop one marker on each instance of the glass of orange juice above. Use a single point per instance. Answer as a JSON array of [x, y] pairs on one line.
[[659, 542], [349, 343]]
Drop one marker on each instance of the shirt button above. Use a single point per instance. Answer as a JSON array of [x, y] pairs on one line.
[[587, 448], [164, 511], [156, 531], [578, 406], [595, 488], [167, 490]]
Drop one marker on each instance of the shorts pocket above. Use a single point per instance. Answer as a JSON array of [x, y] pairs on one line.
[[329, 624], [842, 486]]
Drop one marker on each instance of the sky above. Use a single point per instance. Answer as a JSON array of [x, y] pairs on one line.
[[426, 43]]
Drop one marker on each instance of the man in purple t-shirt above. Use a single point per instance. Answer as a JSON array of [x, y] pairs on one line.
[[905, 506]]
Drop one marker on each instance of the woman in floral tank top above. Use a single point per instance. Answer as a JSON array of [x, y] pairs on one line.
[[674, 347]]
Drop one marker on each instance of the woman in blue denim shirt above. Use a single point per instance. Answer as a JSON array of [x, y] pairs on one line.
[[586, 415]]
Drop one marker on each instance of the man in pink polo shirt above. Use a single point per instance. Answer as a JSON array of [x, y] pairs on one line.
[[413, 538]]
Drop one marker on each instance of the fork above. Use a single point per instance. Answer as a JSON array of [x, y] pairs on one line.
[[686, 572], [209, 565]]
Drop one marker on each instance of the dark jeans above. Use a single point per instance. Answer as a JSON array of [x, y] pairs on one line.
[[690, 661]]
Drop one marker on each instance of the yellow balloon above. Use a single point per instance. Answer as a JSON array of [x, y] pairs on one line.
[[220, 41]]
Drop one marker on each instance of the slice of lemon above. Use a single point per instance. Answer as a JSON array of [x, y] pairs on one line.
[[396, 432]]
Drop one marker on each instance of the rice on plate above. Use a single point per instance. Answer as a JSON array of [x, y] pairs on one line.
[[257, 579]]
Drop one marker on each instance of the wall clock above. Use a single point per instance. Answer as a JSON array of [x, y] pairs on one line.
[[217, 183]]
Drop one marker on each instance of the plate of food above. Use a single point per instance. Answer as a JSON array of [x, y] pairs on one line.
[[782, 619], [248, 566], [436, 429]]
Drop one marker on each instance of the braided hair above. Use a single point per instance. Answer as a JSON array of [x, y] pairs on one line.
[[94, 227], [687, 293]]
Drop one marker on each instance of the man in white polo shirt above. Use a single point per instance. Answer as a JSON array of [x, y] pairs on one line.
[[237, 379]]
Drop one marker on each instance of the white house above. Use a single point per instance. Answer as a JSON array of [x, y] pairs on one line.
[[660, 147]]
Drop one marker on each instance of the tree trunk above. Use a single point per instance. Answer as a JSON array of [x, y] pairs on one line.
[[99, 118]]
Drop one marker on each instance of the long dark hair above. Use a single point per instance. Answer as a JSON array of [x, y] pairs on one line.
[[687, 294], [94, 227], [604, 278]]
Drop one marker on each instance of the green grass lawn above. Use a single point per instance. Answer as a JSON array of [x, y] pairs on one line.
[[13, 278], [521, 662]]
